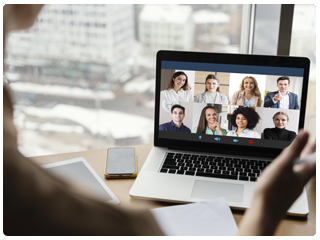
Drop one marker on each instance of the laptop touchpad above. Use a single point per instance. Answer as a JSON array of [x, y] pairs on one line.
[[208, 190]]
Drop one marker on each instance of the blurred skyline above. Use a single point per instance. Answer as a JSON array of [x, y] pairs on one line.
[[98, 62]]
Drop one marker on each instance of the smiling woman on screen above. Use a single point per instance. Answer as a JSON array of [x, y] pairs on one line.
[[244, 119], [178, 89], [208, 122], [249, 93], [212, 92]]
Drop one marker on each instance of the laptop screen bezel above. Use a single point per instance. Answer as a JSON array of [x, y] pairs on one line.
[[226, 58]]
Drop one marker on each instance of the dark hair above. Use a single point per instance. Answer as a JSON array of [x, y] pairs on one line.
[[202, 125], [171, 82], [283, 78], [212, 76], [177, 106], [249, 113]]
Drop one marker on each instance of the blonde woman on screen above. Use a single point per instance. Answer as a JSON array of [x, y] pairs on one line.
[[249, 93], [178, 89]]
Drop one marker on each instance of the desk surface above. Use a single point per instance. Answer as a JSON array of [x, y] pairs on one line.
[[120, 187]]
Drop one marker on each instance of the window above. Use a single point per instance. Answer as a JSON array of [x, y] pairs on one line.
[[76, 95], [303, 43]]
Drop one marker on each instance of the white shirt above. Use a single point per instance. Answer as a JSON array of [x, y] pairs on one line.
[[211, 97], [285, 102], [171, 95], [245, 133], [204, 97]]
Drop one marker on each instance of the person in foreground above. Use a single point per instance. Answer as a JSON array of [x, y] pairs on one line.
[[176, 125], [244, 119], [279, 185], [208, 122], [279, 132], [37, 203], [212, 92], [178, 89]]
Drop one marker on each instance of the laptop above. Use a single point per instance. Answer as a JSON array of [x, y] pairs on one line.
[[191, 166]]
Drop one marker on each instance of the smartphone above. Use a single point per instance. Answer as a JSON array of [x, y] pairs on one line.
[[121, 163]]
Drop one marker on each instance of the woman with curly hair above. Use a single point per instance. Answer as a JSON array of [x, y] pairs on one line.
[[208, 122], [178, 89], [249, 94], [244, 119]]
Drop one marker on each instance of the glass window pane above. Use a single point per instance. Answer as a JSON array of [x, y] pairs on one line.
[[303, 43], [83, 76]]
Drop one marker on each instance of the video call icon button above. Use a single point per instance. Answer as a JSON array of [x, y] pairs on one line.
[[235, 140], [200, 137], [217, 139], [250, 141]]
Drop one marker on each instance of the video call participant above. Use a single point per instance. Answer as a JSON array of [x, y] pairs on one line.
[[212, 92], [178, 89], [176, 125], [279, 132], [249, 94], [208, 122], [244, 119], [282, 98]]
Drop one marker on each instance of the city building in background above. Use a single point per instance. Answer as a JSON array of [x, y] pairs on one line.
[[74, 41], [169, 27], [83, 77]]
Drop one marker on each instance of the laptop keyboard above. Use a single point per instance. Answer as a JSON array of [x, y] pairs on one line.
[[213, 166]]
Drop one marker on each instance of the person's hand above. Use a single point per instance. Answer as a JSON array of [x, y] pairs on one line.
[[217, 126], [282, 181], [278, 97], [279, 185]]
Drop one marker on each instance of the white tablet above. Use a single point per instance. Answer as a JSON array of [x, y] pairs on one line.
[[78, 171]]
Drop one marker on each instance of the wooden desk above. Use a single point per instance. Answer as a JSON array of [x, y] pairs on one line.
[[121, 187], [289, 226]]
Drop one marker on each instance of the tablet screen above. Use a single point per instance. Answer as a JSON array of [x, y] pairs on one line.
[[78, 172]]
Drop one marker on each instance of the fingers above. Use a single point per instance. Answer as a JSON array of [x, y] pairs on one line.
[[295, 148], [310, 148], [305, 171]]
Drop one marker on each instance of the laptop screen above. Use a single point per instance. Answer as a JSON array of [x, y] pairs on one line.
[[238, 104]]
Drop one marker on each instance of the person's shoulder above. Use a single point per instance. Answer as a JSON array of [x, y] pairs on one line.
[[185, 127], [163, 125], [293, 94], [195, 129], [221, 95], [268, 129], [236, 93], [164, 91], [253, 133], [231, 132], [291, 132], [200, 94]]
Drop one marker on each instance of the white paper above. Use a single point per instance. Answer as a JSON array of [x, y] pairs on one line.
[[207, 218]]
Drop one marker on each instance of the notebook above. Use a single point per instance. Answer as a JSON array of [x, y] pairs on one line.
[[220, 120]]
